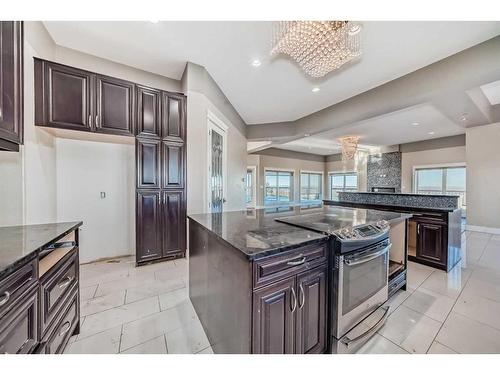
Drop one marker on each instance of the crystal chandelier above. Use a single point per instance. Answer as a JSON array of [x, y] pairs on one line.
[[349, 147], [318, 46]]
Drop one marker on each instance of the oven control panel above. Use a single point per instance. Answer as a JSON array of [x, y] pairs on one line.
[[364, 231]]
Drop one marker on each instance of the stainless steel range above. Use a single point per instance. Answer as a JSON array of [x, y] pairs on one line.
[[359, 278]]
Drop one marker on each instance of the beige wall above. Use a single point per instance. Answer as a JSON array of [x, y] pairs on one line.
[[409, 160], [483, 176], [202, 98]]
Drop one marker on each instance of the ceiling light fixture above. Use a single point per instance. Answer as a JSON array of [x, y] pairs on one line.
[[256, 63], [315, 89], [307, 135], [431, 133], [319, 47], [415, 123], [349, 147], [464, 116]]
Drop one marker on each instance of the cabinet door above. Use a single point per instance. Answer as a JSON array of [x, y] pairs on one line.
[[115, 104], [19, 327], [174, 223], [148, 112], [173, 118], [11, 81], [273, 318], [148, 163], [148, 222], [430, 242], [173, 165], [311, 311], [67, 97]]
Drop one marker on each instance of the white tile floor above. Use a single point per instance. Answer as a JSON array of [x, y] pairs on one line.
[[147, 310]]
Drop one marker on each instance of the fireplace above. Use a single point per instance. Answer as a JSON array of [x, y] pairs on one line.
[[378, 189]]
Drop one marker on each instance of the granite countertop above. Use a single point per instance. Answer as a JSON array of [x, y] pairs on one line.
[[256, 233], [19, 244], [411, 194]]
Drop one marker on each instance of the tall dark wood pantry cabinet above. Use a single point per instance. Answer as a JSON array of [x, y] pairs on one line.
[[11, 85], [161, 175]]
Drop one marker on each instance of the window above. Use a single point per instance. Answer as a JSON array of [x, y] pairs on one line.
[[279, 185], [342, 182], [441, 180], [249, 187], [310, 186]]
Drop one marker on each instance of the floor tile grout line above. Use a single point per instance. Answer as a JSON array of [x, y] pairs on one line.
[[166, 344], [446, 346], [120, 343]]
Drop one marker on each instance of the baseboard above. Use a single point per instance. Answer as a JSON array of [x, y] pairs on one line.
[[477, 228]]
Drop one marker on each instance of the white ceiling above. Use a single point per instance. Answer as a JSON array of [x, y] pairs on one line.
[[391, 129], [492, 92], [277, 90]]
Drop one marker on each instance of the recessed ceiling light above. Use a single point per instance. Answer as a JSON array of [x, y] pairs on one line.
[[431, 133], [315, 89], [256, 63], [464, 116], [307, 135], [415, 123]]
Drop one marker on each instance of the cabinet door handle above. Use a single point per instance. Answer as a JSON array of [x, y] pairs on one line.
[[65, 328], [90, 120], [297, 262], [294, 304], [97, 120], [65, 282], [418, 228], [5, 298], [302, 296]]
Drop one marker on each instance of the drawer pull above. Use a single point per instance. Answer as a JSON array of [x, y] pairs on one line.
[[302, 296], [65, 282], [65, 328], [5, 298], [297, 262]]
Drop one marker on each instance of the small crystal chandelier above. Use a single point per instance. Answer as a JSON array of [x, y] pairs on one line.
[[349, 147], [318, 46]]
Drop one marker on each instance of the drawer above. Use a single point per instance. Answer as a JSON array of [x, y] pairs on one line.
[[16, 284], [435, 217], [57, 338], [284, 265], [18, 328], [55, 287]]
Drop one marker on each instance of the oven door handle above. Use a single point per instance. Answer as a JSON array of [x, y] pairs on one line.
[[369, 332], [367, 258]]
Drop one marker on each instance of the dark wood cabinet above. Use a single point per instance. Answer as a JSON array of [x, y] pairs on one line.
[[114, 106], [67, 97], [148, 231], [148, 112], [173, 165], [311, 311], [431, 244], [76, 99], [148, 163], [274, 319], [173, 108], [174, 228], [11, 85]]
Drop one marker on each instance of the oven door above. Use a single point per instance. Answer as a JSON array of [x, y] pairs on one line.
[[362, 279]]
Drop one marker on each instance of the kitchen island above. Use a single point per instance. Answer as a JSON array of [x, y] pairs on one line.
[[39, 287], [434, 232], [261, 286]]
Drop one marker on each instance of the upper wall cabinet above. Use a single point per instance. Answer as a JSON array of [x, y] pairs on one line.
[[173, 117], [71, 98], [115, 106], [11, 85]]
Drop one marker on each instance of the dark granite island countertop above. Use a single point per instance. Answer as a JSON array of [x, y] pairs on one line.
[[18, 244], [257, 233]]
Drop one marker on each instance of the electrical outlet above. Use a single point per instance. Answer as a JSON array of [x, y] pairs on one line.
[[103, 194]]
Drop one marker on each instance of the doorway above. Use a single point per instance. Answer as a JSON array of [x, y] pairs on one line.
[[217, 163]]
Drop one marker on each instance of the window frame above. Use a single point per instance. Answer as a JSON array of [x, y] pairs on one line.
[[253, 202], [343, 173], [292, 186], [321, 185], [443, 167]]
